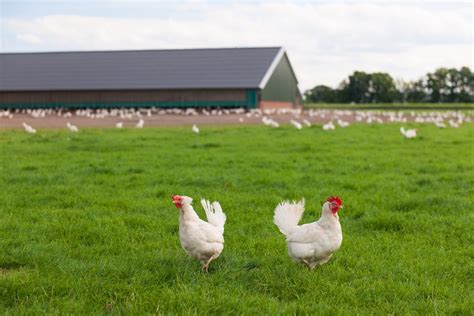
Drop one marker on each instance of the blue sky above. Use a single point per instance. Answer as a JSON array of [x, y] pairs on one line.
[[326, 40]]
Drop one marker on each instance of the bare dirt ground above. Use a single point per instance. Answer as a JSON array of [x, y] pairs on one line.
[[50, 121], [55, 121]]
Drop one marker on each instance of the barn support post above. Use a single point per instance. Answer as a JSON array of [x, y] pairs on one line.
[[251, 98]]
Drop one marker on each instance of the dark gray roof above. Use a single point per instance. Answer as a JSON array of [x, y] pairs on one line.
[[145, 69]]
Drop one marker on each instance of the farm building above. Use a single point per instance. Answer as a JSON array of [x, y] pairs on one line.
[[223, 77]]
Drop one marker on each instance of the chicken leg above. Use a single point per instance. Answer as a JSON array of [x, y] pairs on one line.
[[309, 265], [205, 267]]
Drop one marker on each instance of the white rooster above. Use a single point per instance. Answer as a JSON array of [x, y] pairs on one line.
[[409, 133], [314, 243], [201, 240]]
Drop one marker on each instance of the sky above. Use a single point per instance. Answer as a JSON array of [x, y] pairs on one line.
[[325, 40]]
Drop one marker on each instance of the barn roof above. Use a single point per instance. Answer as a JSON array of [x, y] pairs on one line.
[[144, 69]]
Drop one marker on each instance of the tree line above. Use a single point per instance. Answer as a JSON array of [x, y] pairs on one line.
[[444, 85]]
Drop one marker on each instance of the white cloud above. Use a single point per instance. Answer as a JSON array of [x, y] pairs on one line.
[[29, 38], [325, 42]]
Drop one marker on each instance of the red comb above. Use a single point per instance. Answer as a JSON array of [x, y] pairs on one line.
[[334, 199]]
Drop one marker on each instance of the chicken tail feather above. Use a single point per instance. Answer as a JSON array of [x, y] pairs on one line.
[[288, 215], [214, 213]]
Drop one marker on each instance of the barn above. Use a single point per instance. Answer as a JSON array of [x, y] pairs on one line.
[[252, 77]]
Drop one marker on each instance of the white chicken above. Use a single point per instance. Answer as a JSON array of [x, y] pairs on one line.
[[342, 123], [195, 129], [140, 124], [201, 240], [453, 124], [409, 133], [270, 122], [329, 126], [307, 123], [29, 128], [72, 128], [312, 244], [296, 124]]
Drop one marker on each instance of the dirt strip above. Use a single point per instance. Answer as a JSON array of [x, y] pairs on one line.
[[156, 120]]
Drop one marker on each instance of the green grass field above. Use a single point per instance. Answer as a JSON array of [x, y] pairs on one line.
[[391, 106], [87, 225]]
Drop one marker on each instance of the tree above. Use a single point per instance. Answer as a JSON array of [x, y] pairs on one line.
[[443, 85], [463, 80], [367, 88], [356, 89], [321, 94], [450, 85], [436, 84], [382, 88], [413, 91]]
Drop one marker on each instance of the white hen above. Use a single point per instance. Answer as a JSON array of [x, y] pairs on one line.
[[342, 123], [201, 240], [29, 128], [329, 126], [307, 123], [72, 128], [314, 243], [409, 133], [296, 124], [140, 124], [195, 129], [453, 124], [270, 122]]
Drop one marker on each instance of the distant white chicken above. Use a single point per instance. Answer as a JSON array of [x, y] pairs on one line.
[[201, 240], [266, 121], [270, 122], [440, 124], [307, 123], [453, 124], [409, 133], [274, 124], [314, 243], [329, 126], [296, 124], [140, 123], [119, 125], [342, 123], [72, 128], [195, 129], [29, 128]]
